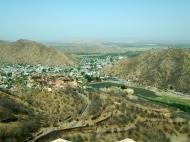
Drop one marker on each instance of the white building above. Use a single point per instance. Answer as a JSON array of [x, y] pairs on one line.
[[127, 140], [60, 140]]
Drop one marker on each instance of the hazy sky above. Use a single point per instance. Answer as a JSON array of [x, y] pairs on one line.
[[95, 19]]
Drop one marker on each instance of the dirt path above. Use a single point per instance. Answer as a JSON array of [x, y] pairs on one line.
[[85, 112]]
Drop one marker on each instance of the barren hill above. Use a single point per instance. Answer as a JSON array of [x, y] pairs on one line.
[[25, 51], [168, 68]]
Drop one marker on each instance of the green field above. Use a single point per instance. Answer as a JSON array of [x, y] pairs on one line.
[[173, 101]]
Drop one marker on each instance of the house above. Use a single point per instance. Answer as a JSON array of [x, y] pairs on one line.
[[60, 140], [130, 91], [49, 89], [127, 140]]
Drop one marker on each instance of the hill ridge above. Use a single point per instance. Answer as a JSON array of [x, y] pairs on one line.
[[31, 52], [167, 68]]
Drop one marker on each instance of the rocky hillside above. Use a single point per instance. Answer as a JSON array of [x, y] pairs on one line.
[[25, 51], [168, 68], [17, 120]]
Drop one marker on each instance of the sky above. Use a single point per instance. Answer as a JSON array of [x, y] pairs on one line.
[[57, 20]]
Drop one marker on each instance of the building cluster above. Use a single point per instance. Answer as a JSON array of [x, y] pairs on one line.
[[94, 63], [51, 81], [45, 77], [32, 76], [90, 66]]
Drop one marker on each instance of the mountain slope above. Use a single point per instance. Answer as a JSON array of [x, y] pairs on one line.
[[17, 121], [25, 51], [168, 68]]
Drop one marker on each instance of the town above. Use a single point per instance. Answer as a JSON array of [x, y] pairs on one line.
[[50, 78]]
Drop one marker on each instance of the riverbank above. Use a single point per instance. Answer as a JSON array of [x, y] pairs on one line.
[[149, 93]]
